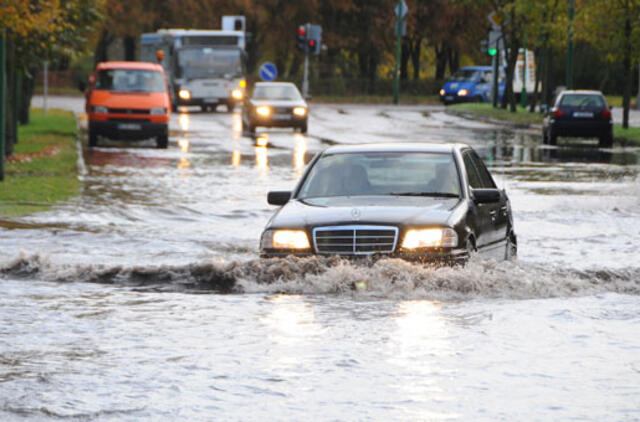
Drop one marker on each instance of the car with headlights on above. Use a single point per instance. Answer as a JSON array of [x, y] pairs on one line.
[[425, 202], [275, 104], [579, 113], [128, 101]]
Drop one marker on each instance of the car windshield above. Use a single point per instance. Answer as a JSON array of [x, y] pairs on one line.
[[129, 80], [465, 75], [276, 92], [582, 101], [207, 62], [382, 173]]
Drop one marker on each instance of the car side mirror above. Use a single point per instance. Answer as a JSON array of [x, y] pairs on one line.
[[485, 196], [278, 197]]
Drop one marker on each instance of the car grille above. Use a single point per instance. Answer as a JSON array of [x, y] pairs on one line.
[[129, 110], [355, 240], [282, 110], [125, 120]]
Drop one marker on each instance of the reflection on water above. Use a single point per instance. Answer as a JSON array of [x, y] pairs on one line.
[[236, 125], [184, 145], [299, 153], [262, 140], [183, 121], [184, 163], [262, 159], [235, 158], [291, 321]]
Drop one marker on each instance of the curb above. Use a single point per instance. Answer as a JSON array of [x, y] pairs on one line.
[[512, 125]]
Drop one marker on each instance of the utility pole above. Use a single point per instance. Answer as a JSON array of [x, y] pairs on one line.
[[3, 99], [523, 91], [46, 87], [396, 76], [17, 92], [569, 76], [638, 97]]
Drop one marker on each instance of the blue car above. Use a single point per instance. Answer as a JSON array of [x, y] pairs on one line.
[[470, 84]]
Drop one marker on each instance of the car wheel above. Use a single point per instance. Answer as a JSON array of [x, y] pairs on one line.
[[511, 250], [303, 128], [553, 137], [93, 138], [545, 137], [606, 141], [251, 129], [162, 141]]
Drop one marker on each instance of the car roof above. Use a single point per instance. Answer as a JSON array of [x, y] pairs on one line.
[[129, 65], [275, 84], [396, 147], [580, 91]]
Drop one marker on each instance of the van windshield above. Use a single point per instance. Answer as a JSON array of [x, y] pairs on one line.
[[130, 80], [465, 75], [207, 62], [277, 92]]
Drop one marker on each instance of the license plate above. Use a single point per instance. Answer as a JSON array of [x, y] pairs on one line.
[[582, 114], [449, 97], [211, 100], [129, 126], [281, 116]]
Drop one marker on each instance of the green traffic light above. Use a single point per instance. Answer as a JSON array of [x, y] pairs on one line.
[[492, 51]]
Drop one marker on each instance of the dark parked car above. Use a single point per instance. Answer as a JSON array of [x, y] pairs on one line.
[[582, 114], [275, 104], [415, 201]]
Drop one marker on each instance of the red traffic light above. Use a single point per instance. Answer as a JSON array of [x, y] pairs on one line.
[[312, 43], [302, 31]]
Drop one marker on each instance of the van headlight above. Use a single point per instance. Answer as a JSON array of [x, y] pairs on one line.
[[184, 94], [299, 111], [430, 238], [158, 111], [236, 94], [100, 109], [285, 239], [463, 92], [263, 111], [442, 92]]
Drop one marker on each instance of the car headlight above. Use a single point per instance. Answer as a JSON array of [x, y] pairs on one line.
[[236, 94], [158, 110], [442, 92], [299, 111], [184, 94], [100, 109], [429, 238], [263, 111], [285, 239], [463, 92]]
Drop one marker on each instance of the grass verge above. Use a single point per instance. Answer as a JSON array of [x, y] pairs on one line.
[[486, 111], [626, 136], [375, 99], [42, 170]]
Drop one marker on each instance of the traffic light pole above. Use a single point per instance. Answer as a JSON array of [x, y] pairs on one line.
[[523, 91], [396, 76], [3, 99], [569, 76], [496, 76], [305, 80]]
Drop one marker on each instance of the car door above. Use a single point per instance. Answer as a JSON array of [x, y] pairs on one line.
[[479, 214], [498, 211]]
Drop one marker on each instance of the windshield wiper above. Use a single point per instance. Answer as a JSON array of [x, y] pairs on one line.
[[436, 194]]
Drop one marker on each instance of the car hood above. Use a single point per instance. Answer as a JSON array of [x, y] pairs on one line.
[[451, 86], [386, 210], [281, 103], [126, 100]]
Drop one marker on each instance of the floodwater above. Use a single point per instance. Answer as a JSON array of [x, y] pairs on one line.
[[143, 298]]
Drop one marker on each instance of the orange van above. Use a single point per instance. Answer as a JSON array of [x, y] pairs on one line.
[[128, 101]]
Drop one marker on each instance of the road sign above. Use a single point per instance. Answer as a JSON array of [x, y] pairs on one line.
[[268, 72], [496, 19], [496, 40], [405, 9]]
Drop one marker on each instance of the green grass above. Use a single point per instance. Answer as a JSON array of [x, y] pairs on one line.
[[59, 90], [40, 182], [631, 135], [486, 111], [375, 99], [616, 101]]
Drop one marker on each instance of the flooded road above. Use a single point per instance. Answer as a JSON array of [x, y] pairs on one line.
[[143, 299]]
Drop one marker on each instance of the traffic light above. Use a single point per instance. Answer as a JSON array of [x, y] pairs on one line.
[[301, 39], [492, 51], [315, 39]]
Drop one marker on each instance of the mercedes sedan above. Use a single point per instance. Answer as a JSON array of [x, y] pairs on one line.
[[275, 104], [426, 202]]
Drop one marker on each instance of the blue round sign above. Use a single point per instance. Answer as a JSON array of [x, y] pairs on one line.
[[268, 72]]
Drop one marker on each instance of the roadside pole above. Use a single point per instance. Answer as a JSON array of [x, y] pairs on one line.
[[305, 77], [17, 90], [496, 76], [396, 76], [523, 91], [569, 76], [638, 97], [46, 88], [3, 99]]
